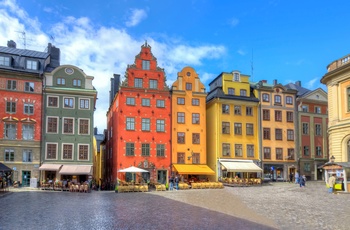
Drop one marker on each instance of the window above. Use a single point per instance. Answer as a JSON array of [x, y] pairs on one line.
[[265, 97], [4, 61], [348, 92], [289, 100], [278, 115], [84, 104], [195, 138], [160, 150], [146, 102], [250, 150], [266, 114], [238, 150], [266, 133], [61, 81], [318, 151], [317, 109], [291, 154], [10, 131], [249, 129], [235, 76], [267, 153], [130, 123], [181, 138], [29, 86], [290, 116], [32, 64], [278, 134], [160, 125], [27, 155], [180, 101], [68, 103], [305, 128], [145, 64], [277, 99], [195, 102], [279, 154], [181, 118], [68, 125], [160, 103], [307, 167], [146, 124], [243, 92], [28, 108], [231, 91], [51, 151], [67, 153], [306, 151], [238, 110], [196, 158], [225, 109], [27, 131], [153, 84], [83, 152], [305, 108], [238, 128], [52, 101], [318, 130], [188, 86], [226, 127], [249, 111], [76, 82], [181, 158], [83, 126], [138, 83], [226, 149], [130, 149], [130, 101], [145, 149], [290, 135], [195, 118], [52, 124], [10, 107], [9, 155], [11, 84]]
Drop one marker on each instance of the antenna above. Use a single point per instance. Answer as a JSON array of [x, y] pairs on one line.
[[23, 38], [252, 66]]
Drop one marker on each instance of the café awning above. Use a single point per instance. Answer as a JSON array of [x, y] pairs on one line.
[[240, 166], [76, 170], [50, 167], [193, 169]]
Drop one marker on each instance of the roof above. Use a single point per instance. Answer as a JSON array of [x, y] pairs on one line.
[[301, 90], [23, 52], [219, 93]]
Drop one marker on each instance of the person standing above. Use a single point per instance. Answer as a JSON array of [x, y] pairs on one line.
[[297, 177], [301, 181], [291, 178], [171, 182], [176, 180], [331, 182]]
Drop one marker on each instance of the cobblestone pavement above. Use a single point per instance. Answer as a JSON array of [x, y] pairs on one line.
[[275, 206]]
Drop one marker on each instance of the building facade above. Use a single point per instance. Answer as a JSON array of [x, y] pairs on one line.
[[139, 122], [21, 73]]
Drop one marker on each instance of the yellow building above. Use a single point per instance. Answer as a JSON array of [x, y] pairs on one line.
[[189, 155], [278, 130], [98, 158], [232, 127]]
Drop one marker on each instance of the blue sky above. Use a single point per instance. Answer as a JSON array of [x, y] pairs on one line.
[[283, 40]]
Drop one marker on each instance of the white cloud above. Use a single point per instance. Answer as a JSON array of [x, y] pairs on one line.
[[137, 15], [234, 22], [311, 84], [101, 51], [241, 52]]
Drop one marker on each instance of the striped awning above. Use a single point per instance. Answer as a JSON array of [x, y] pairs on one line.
[[50, 167], [240, 166], [76, 170]]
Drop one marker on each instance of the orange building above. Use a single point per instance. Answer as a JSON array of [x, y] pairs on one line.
[[139, 122], [189, 156]]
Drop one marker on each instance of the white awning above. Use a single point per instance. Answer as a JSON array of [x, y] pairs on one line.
[[76, 170], [50, 167], [240, 166]]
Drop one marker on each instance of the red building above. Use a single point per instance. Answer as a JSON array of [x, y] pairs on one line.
[[139, 122]]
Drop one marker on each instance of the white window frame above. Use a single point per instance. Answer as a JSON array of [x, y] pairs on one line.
[[73, 128], [85, 100], [29, 86], [48, 101], [88, 153], [28, 155], [88, 126], [47, 124], [31, 135], [62, 153], [68, 98], [32, 64], [51, 143]]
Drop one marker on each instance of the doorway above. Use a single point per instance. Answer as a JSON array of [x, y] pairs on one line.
[[161, 176], [26, 178]]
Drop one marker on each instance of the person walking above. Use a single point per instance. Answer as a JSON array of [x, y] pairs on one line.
[[297, 177], [176, 180], [301, 181], [291, 178], [331, 182]]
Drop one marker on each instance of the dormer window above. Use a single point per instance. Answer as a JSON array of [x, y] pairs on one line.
[[236, 77], [4, 61], [76, 82], [32, 64]]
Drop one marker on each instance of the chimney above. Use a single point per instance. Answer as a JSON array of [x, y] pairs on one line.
[[264, 81], [11, 44], [275, 82], [298, 83], [95, 131], [55, 55]]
